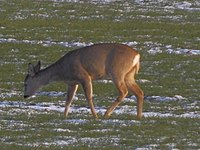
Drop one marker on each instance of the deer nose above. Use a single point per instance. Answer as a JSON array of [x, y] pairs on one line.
[[26, 96]]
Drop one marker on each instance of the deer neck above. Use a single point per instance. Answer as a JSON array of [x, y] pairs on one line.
[[49, 74]]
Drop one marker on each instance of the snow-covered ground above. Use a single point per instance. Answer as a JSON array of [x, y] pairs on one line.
[[46, 107], [154, 47], [188, 109], [126, 109], [13, 108]]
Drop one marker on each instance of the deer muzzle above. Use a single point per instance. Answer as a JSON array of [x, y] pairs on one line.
[[26, 96]]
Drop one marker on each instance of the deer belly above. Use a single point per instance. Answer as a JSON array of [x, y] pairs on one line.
[[97, 73]]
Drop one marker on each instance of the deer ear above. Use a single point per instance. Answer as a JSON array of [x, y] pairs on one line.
[[31, 70], [37, 66]]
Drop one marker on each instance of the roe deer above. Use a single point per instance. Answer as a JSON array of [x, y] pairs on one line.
[[118, 62]]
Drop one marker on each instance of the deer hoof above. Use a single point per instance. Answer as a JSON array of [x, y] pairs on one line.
[[95, 116], [139, 117], [106, 116]]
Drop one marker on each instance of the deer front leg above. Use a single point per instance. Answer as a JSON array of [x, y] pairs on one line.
[[70, 94], [87, 87]]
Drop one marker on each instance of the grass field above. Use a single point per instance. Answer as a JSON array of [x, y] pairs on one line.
[[165, 32]]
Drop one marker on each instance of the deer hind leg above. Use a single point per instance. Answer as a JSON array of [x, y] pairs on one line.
[[133, 87], [87, 87], [121, 87], [70, 94]]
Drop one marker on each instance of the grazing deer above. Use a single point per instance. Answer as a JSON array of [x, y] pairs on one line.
[[100, 61]]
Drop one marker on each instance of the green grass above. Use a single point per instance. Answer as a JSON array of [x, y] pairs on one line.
[[159, 131], [169, 74]]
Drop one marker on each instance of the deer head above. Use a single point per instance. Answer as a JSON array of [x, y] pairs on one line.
[[31, 83]]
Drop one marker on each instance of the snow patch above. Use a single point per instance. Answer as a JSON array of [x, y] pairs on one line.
[[155, 48], [12, 93], [132, 43], [51, 94], [104, 81], [46, 43], [182, 5], [125, 109], [62, 130], [183, 51], [144, 81], [164, 98]]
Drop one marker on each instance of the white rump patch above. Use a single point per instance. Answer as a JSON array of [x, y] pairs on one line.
[[136, 62], [136, 59]]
